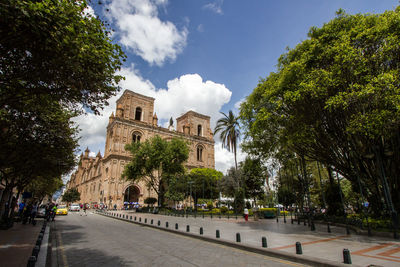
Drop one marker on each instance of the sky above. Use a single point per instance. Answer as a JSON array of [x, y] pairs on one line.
[[205, 55]]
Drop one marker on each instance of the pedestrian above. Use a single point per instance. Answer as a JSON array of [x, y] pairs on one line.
[[84, 209], [26, 213], [33, 213], [21, 207], [246, 214]]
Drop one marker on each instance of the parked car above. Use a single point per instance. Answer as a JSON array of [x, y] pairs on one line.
[[41, 211], [74, 207], [62, 210]]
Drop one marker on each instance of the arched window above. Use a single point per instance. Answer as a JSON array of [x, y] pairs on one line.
[[138, 114], [199, 130], [136, 137], [199, 153]]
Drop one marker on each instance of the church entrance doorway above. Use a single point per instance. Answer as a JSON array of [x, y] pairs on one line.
[[131, 197]]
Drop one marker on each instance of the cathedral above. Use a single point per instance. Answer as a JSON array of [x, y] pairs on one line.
[[98, 179]]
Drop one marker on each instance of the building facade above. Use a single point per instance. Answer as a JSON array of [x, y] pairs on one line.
[[99, 180]]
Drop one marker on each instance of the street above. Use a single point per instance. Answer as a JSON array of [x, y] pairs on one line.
[[95, 240]]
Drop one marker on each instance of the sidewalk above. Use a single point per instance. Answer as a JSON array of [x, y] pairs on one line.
[[282, 237], [17, 243]]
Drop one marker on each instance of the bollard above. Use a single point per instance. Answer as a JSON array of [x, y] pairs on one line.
[[31, 261], [237, 237], [284, 216], [211, 214], [38, 242], [135, 218], [176, 226], [201, 230], [36, 250], [264, 242], [329, 228], [187, 228], [41, 235], [151, 221], [158, 223], [217, 235], [299, 250], [131, 218], [346, 256], [145, 220], [166, 224], [298, 219], [140, 219], [312, 225]]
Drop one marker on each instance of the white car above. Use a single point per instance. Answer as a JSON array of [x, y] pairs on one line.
[[74, 207]]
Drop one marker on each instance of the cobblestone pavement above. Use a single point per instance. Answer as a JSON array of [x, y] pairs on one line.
[[96, 240], [281, 236]]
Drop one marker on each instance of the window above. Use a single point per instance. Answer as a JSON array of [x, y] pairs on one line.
[[136, 138], [199, 130], [199, 153], [138, 114]]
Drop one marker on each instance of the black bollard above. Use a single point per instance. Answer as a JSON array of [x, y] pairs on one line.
[[217, 235], [135, 218], [312, 225], [201, 230], [298, 220], [166, 224], [159, 223], [299, 250], [187, 228], [145, 220], [264, 242], [131, 218], [38, 242], [31, 261], [176, 226], [346, 256], [151, 221], [35, 251], [329, 228], [284, 216], [237, 237], [140, 219]]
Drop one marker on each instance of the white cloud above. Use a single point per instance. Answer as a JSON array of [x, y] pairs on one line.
[[144, 33], [88, 11], [215, 6], [237, 104], [200, 28], [188, 92], [224, 159]]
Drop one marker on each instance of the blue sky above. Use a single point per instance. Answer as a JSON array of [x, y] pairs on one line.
[[206, 55]]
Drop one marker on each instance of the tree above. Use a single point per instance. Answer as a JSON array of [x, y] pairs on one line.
[[254, 175], [204, 183], [334, 99], [155, 161], [150, 201], [44, 186], [71, 195], [54, 61], [228, 127]]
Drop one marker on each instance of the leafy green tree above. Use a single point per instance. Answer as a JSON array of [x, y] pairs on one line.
[[150, 201], [204, 183], [55, 60], [71, 195], [43, 186], [155, 161], [334, 99], [228, 127], [254, 174]]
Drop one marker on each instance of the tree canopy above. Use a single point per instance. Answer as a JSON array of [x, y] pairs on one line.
[[71, 195], [155, 161], [56, 61], [335, 99]]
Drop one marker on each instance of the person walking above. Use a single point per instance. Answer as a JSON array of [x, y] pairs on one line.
[[33, 214], [246, 214], [84, 209], [21, 207]]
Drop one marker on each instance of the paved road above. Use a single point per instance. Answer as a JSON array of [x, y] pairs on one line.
[[96, 240]]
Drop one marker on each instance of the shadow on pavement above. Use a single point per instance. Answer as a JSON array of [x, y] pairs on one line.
[[93, 257]]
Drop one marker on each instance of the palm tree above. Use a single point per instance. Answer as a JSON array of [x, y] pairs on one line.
[[228, 126]]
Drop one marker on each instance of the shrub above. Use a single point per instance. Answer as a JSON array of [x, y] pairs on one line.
[[224, 209]]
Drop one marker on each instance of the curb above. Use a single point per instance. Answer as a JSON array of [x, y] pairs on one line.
[[263, 251], [38, 253]]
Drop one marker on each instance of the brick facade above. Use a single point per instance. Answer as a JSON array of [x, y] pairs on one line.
[[99, 179]]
